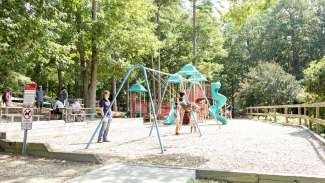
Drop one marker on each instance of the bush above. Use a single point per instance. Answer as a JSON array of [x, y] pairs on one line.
[[267, 84], [315, 78]]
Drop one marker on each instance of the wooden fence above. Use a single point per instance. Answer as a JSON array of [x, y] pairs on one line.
[[309, 115]]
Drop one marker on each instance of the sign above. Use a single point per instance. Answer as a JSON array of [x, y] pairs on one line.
[[27, 113], [30, 86], [26, 126]]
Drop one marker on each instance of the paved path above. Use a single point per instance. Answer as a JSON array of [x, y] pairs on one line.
[[119, 173]]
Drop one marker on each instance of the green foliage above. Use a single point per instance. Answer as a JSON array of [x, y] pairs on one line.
[[240, 11], [210, 70], [315, 78], [13, 81], [267, 84]]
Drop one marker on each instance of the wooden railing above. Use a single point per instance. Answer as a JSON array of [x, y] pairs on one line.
[[309, 115]]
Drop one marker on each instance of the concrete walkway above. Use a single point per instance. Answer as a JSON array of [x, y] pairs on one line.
[[119, 173]]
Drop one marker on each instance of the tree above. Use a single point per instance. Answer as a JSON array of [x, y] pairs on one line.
[[267, 84], [315, 78]]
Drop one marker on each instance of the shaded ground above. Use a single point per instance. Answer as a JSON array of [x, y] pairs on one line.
[[16, 169], [119, 173], [242, 145]]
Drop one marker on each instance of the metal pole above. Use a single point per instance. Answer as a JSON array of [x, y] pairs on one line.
[[140, 105], [114, 99], [159, 109], [153, 111], [24, 150]]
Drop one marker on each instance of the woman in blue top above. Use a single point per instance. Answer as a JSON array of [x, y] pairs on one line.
[[106, 114]]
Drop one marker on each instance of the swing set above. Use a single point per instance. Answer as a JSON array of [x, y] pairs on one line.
[[140, 107]]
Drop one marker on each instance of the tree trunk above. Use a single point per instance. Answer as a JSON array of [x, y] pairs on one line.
[[114, 93], [83, 62], [294, 46], [295, 56], [154, 94], [60, 77], [158, 32], [194, 32], [94, 53]]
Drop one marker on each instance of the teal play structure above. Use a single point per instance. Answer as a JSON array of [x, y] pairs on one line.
[[194, 77], [220, 101], [171, 116]]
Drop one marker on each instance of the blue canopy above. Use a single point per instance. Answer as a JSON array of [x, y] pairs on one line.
[[187, 70], [197, 77], [175, 78], [137, 88]]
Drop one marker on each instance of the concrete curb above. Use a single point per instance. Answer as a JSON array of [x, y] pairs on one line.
[[44, 150]]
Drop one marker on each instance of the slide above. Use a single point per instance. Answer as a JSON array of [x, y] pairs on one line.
[[171, 116], [220, 102]]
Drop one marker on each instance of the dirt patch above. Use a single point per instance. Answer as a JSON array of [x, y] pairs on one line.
[[175, 160], [31, 169]]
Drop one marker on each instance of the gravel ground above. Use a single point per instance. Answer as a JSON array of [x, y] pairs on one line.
[[16, 169], [242, 145]]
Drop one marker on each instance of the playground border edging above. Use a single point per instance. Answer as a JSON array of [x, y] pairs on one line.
[[249, 177], [44, 150]]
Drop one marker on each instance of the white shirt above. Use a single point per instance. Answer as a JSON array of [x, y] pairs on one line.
[[58, 104], [76, 105]]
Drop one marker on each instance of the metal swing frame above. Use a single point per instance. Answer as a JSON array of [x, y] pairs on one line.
[[155, 122]]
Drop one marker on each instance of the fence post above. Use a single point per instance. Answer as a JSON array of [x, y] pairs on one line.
[[266, 114], [274, 113], [305, 115], [299, 113], [257, 111], [286, 114], [317, 117]]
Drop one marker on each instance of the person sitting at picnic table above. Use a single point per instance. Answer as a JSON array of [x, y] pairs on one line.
[[57, 109], [106, 114], [76, 109], [7, 97], [64, 96], [76, 105]]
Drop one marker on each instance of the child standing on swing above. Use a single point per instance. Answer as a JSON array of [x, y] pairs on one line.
[[191, 107]]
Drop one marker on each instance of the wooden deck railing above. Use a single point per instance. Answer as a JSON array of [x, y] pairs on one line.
[[309, 115]]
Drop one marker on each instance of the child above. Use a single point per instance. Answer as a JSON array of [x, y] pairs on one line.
[[193, 113], [106, 114], [191, 107], [178, 118]]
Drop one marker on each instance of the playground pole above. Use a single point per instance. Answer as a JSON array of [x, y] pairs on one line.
[[162, 99], [153, 111], [114, 99]]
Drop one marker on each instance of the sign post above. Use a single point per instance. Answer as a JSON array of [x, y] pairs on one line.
[[27, 113]]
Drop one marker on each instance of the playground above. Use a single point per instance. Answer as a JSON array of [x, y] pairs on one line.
[[242, 145]]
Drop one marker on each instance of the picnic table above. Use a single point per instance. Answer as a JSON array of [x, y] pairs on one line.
[[9, 114], [78, 115]]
